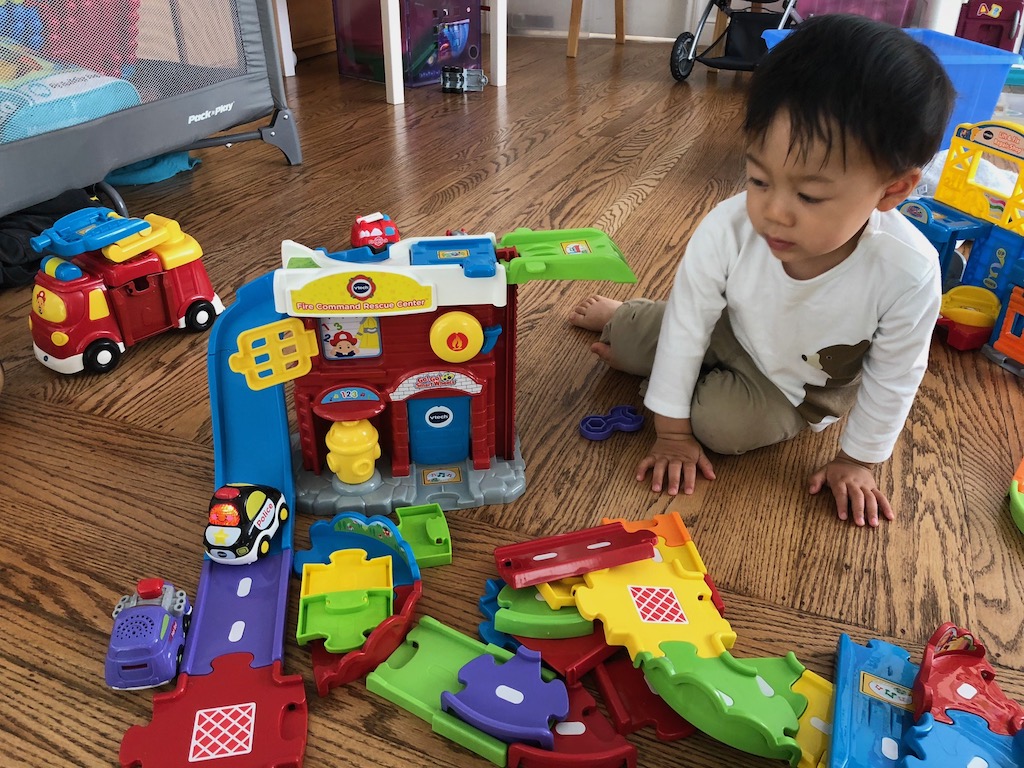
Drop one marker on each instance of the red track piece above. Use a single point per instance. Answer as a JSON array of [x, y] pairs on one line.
[[572, 554], [331, 669], [633, 705], [236, 715], [585, 739], [955, 675], [716, 597], [572, 657]]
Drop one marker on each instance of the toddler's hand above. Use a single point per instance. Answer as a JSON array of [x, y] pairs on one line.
[[854, 488], [673, 458]]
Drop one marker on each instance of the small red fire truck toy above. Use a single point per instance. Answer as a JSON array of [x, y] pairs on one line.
[[376, 231], [111, 282]]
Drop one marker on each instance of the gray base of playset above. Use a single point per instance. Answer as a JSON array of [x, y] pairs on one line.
[[455, 486], [997, 357]]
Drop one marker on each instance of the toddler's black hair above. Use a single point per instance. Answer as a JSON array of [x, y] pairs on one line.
[[842, 77]]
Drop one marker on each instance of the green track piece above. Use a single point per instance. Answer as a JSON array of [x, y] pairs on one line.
[[474, 740], [426, 665], [426, 530], [342, 619], [524, 612], [745, 703], [1017, 504], [564, 254], [780, 672]]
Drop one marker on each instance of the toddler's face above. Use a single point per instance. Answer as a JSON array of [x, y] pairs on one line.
[[811, 209]]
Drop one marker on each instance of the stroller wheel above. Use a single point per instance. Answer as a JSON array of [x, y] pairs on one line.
[[681, 63]]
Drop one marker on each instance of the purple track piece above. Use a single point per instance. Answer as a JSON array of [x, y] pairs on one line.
[[624, 418], [509, 701], [239, 608]]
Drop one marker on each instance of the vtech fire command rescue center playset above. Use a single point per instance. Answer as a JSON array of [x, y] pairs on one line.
[[402, 363]]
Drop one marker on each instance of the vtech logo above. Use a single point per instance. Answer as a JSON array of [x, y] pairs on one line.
[[439, 416], [361, 287]]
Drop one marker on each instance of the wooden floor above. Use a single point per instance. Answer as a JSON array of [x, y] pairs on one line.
[[107, 479]]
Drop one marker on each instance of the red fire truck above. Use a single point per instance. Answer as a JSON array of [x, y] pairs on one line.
[[127, 279]]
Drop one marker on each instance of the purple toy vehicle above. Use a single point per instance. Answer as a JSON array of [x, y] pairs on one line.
[[148, 639]]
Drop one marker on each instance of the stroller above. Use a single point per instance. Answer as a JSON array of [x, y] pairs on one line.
[[743, 43]]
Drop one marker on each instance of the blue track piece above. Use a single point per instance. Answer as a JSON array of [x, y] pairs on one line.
[[360, 255], [476, 254], [250, 427], [968, 743], [377, 536], [510, 700], [243, 609], [488, 605], [873, 706]]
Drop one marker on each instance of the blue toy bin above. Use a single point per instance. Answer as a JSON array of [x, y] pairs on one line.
[[977, 71]]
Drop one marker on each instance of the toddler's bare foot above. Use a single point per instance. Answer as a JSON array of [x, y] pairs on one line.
[[594, 312]]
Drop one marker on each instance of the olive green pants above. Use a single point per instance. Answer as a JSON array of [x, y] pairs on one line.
[[735, 408]]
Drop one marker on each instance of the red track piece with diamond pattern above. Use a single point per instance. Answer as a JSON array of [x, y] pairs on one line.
[[237, 716]]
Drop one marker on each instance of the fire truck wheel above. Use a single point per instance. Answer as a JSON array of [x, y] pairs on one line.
[[200, 316], [101, 356]]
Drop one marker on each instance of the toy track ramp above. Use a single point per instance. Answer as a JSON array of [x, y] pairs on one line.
[[233, 705], [873, 703], [565, 254], [239, 608], [250, 427]]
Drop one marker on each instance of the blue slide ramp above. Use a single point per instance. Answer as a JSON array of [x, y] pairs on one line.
[[250, 427], [243, 607]]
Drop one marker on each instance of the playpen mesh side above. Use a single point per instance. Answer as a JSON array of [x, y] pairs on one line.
[[63, 62]]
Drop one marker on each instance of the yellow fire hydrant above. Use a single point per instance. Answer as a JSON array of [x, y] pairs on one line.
[[352, 450]]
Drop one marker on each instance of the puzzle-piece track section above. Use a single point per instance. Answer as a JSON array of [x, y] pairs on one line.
[[249, 717], [343, 601], [956, 676], [667, 613], [965, 741], [509, 700], [584, 739]]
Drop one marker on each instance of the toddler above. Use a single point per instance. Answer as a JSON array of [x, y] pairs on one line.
[[807, 296]]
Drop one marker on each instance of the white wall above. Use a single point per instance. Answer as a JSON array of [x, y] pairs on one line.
[[664, 19]]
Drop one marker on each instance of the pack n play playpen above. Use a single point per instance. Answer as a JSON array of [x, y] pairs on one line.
[[89, 87], [742, 46]]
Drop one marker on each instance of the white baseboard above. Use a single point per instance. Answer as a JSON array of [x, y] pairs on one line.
[[563, 35]]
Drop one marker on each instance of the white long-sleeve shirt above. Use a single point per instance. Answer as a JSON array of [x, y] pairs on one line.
[[886, 292]]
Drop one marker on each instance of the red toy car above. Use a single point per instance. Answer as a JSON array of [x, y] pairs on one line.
[[376, 231]]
